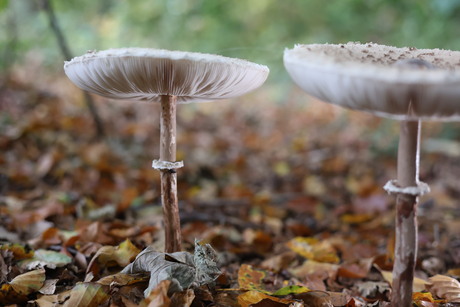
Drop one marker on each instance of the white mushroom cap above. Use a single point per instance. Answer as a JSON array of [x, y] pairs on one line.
[[146, 74], [365, 77]]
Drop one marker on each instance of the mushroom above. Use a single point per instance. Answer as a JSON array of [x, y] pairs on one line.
[[167, 77], [406, 84]]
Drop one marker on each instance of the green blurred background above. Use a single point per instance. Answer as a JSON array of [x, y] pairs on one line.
[[257, 30]]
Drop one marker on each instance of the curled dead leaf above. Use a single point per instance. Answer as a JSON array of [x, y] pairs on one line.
[[181, 268], [120, 255]]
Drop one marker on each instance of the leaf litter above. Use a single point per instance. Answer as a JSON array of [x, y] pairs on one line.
[[290, 200]]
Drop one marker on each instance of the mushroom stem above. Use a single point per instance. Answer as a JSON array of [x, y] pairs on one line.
[[406, 219], [173, 237]]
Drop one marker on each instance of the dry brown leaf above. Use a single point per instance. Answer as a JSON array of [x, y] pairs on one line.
[[121, 279], [49, 286], [87, 294], [312, 268], [158, 297], [29, 282], [357, 269], [183, 299], [17, 290], [315, 298], [53, 300], [279, 262], [259, 241], [444, 287]]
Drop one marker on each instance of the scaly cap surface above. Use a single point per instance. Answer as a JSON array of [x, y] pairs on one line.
[[366, 77]]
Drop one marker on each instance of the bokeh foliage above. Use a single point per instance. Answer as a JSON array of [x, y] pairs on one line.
[[257, 30]]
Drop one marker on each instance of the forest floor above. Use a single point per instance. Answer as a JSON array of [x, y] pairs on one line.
[[286, 189]]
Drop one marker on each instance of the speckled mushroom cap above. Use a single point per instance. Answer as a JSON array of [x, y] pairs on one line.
[[368, 77], [146, 74]]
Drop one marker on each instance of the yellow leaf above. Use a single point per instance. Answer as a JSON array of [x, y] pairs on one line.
[[281, 168], [422, 296], [123, 254], [355, 218], [312, 248], [250, 279], [107, 256], [19, 251], [253, 297]]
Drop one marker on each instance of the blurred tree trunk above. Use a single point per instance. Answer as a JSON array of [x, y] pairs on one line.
[[11, 30], [65, 50]]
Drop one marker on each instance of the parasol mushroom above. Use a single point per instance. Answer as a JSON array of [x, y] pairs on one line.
[[406, 84], [167, 77]]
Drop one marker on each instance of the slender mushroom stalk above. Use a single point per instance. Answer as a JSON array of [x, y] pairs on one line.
[[406, 84], [173, 237], [406, 217], [167, 77]]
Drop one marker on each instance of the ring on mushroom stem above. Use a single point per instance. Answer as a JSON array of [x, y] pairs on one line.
[[169, 78], [407, 84]]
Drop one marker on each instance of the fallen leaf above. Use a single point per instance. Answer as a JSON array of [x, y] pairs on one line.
[[357, 269], [373, 289], [121, 279], [290, 290], [252, 297], [250, 278], [314, 249], [49, 286], [29, 282], [181, 268], [109, 256], [278, 262], [158, 296], [422, 296], [312, 268], [356, 218], [19, 251], [21, 286], [260, 241], [315, 298], [53, 300], [183, 299], [45, 258], [87, 294]]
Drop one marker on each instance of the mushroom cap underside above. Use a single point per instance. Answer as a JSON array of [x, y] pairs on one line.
[[147, 74], [368, 77]]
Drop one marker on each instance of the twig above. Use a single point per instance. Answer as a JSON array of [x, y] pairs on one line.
[[65, 50]]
